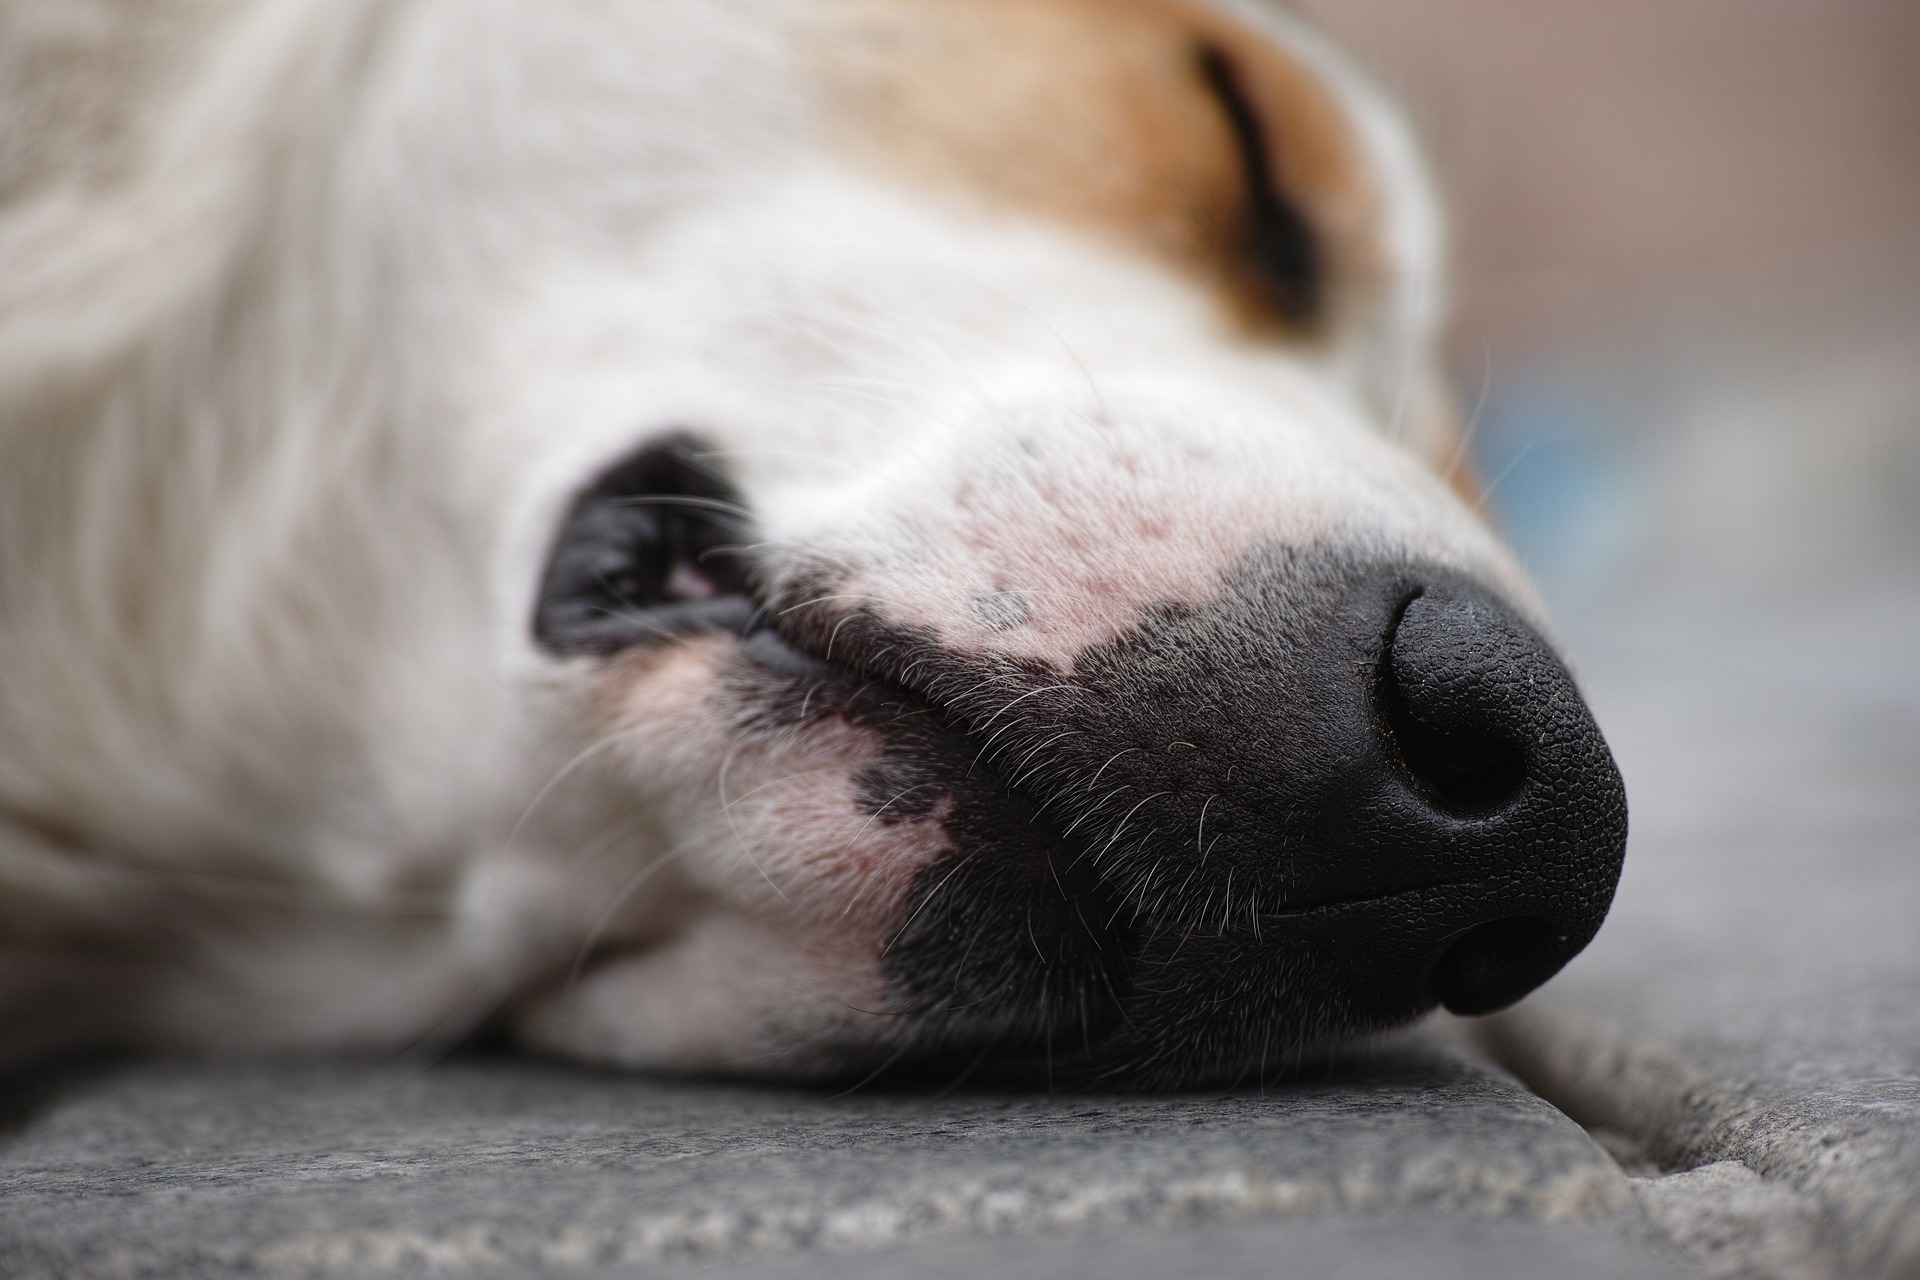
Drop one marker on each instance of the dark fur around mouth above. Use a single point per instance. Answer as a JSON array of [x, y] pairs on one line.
[[1348, 787], [1212, 846], [1011, 945], [1059, 943]]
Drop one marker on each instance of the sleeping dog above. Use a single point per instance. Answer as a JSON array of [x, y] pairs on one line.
[[772, 537]]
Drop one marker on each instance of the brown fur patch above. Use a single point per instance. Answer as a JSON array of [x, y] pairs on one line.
[[1099, 114]]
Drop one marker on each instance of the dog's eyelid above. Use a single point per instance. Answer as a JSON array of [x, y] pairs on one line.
[[1277, 240]]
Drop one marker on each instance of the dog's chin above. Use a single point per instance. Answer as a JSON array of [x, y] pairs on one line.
[[1151, 1007]]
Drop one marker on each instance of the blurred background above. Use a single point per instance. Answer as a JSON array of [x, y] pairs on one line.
[[1687, 285]]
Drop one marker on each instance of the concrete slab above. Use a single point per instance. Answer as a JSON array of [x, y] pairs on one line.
[[1747, 1025], [1318, 1248], [527, 1168]]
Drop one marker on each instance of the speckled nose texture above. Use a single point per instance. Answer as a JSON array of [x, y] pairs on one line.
[[1342, 796], [1507, 761]]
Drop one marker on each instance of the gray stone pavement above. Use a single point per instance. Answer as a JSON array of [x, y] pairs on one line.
[[1339, 1247], [1748, 1022], [515, 1168]]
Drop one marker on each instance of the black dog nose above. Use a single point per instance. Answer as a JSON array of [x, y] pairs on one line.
[[1337, 795], [1377, 787], [1454, 668], [1489, 730]]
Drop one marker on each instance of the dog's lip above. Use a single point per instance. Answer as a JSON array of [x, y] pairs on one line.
[[1105, 1055], [816, 615], [766, 648], [1357, 902]]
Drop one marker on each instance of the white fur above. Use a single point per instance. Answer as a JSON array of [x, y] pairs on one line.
[[293, 395]]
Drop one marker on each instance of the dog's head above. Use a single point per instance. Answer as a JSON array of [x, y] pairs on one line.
[[992, 531], [859, 531]]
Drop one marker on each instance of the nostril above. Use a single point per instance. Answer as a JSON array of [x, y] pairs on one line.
[[1494, 964], [1462, 771], [1463, 767]]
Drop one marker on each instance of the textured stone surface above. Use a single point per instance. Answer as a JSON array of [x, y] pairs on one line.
[[1336, 1248], [369, 1170], [1751, 1012]]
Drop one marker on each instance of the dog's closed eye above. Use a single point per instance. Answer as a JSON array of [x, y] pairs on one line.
[[650, 550], [1275, 240]]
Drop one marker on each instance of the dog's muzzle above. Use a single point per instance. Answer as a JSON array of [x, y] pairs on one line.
[[1337, 797]]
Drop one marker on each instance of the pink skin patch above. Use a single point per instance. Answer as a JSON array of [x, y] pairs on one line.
[[770, 822], [799, 882], [1054, 536]]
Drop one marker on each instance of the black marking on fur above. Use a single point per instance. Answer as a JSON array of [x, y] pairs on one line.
[[1277, 239], [649, 551], [1031, 953], [1345, 792]]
